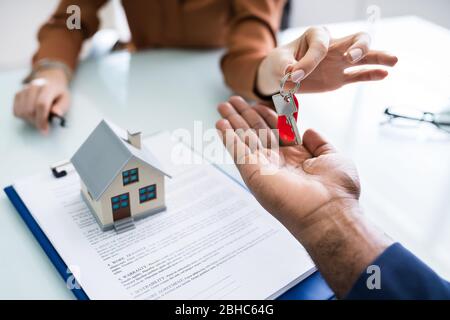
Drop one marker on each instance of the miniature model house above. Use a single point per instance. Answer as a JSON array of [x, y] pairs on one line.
[[120, 179]]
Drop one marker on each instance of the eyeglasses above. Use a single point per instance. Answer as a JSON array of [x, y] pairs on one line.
[[405, 117]]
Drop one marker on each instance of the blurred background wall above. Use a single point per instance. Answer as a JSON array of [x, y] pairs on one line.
[[328, 11], [20, 19]]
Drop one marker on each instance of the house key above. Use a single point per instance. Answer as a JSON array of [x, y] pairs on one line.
[[286, 105]]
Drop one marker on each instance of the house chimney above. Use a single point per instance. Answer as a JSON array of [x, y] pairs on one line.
[[134, 138]]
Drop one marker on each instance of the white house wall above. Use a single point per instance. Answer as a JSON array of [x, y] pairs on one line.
[[147, 176], [95, 205]]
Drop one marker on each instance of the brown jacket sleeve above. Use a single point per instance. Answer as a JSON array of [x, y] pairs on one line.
[[252, 35], [57, 42]]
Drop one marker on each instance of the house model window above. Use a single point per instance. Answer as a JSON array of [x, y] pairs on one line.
[[147, 193], [119, 177], [130, 176]]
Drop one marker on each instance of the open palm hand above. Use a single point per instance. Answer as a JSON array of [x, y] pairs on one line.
[[291, 182]]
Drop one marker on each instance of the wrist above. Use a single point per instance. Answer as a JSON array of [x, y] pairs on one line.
[[327, 216], [55, 75], [341, 242], [50, 69]]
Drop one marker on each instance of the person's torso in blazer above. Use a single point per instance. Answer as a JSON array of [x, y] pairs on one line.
[[178, 23]]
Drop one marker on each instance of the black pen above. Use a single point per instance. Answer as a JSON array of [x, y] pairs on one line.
[[62, 120]]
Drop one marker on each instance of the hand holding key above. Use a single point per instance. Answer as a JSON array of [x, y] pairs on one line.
[[321, 62]]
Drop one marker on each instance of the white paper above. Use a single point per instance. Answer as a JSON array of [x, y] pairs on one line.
[[214, 241]]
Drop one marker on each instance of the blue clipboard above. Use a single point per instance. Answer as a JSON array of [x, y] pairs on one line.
[[312, 288]]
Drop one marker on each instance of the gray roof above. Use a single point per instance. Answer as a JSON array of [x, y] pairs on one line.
[[104, 154]]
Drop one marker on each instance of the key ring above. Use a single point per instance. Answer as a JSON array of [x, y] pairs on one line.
[[292, 91]]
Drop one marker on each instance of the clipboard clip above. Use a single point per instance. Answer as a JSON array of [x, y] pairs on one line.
[[60, 169]]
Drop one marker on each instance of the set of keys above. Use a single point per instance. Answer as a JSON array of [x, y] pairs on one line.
[[286, 105]]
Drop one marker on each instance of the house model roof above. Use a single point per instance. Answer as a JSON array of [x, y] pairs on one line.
[[104, 154]]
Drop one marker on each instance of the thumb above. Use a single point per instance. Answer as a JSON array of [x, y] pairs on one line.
[[284, 64], [61, 105], [316, 40], [316, 144]]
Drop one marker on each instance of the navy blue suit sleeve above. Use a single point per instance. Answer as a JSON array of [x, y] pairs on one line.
[[402, 276]]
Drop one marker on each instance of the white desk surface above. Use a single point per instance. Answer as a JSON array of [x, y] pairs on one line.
[[405, 175]]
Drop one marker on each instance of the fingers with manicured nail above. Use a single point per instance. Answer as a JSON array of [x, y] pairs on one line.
[[355, 54], [298, 75], [359, 48]]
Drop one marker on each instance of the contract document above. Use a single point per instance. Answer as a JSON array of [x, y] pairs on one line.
[[214, 241]]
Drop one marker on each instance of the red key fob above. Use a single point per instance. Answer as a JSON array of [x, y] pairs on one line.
[[287, 136]]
